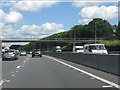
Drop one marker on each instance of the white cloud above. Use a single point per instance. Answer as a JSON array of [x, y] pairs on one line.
[[32, 5], [86, 3], [104, 12], [7, 30], [10, 18], [41, 30], [84, 21], [13, 17], [2, 15], [33, 31]]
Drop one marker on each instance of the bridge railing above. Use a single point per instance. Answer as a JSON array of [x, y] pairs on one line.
[[52, 39], [75, 39]]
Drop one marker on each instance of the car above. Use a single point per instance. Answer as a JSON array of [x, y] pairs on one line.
[[9, 55], [23, 53], [78, 49], [17, 51], [36, 52], [56, 49]]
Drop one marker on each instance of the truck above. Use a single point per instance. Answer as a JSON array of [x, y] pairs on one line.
[[78, 49], [95, 49], [56, 49]]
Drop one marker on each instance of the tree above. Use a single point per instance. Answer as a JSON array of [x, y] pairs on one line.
[[118, 31], [102, 27], [16, 47]]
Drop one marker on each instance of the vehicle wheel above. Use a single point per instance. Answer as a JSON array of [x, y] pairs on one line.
[[3, 59], [40, 55], [32, 56]]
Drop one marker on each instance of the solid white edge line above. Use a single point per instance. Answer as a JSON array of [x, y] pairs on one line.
[[1, 82], [87, 73]]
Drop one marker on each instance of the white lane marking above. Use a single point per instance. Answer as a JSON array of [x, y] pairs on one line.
[[12, 72], [7, 81], [18, 66], [107, 86], [13, 75], [87, 73], [92, 78], [1, 82], [16, 71], [24, 61]]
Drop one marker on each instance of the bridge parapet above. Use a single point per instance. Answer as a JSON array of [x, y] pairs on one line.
[[72, 40]]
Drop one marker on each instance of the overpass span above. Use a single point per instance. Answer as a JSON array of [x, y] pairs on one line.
[[67, 40]]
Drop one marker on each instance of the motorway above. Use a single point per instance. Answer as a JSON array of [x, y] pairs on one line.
[[50, 72]]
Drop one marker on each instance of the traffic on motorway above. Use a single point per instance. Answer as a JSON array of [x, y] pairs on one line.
[[87, 48], [12, 54], [41, 67], [51, 72]]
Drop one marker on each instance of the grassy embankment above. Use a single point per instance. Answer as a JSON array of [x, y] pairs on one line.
[[112, 45]]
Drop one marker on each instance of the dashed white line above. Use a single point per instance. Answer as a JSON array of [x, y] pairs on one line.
[[12, 72], [7, 81], [13, 75], [18, 66], [16, 71], [92, 78], [85, 72]]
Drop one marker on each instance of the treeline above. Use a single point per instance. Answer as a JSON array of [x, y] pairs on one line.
[[102, 28]]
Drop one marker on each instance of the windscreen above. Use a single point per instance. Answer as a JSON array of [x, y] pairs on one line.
[[97, 47], [78, 49]]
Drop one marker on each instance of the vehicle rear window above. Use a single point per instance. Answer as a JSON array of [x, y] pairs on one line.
[[9, 51]]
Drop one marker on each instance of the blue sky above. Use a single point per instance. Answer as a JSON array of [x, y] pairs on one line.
[[37, 18], [62, 13]]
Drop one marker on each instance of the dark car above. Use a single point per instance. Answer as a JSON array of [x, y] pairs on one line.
[[36, 52]]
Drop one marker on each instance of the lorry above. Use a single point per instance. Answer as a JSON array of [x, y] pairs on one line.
[[56, 49], [78, 49], [95, 49]]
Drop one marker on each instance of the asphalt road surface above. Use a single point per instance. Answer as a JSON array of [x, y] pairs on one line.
[[49, 72]]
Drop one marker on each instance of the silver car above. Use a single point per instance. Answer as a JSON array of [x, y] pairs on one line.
[[23, 53], [9, 55]]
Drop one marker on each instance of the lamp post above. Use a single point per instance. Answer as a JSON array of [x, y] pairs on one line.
[[95, 34], [74, 38]]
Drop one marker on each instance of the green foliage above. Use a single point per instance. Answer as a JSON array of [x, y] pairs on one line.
[[111, 42], [102, 28], [118, 31]]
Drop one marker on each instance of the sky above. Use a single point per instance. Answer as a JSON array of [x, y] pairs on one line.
[[41, 18]]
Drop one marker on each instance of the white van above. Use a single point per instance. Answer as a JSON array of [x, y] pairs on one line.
[[78, 49], [95, 49], [56, 49]]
